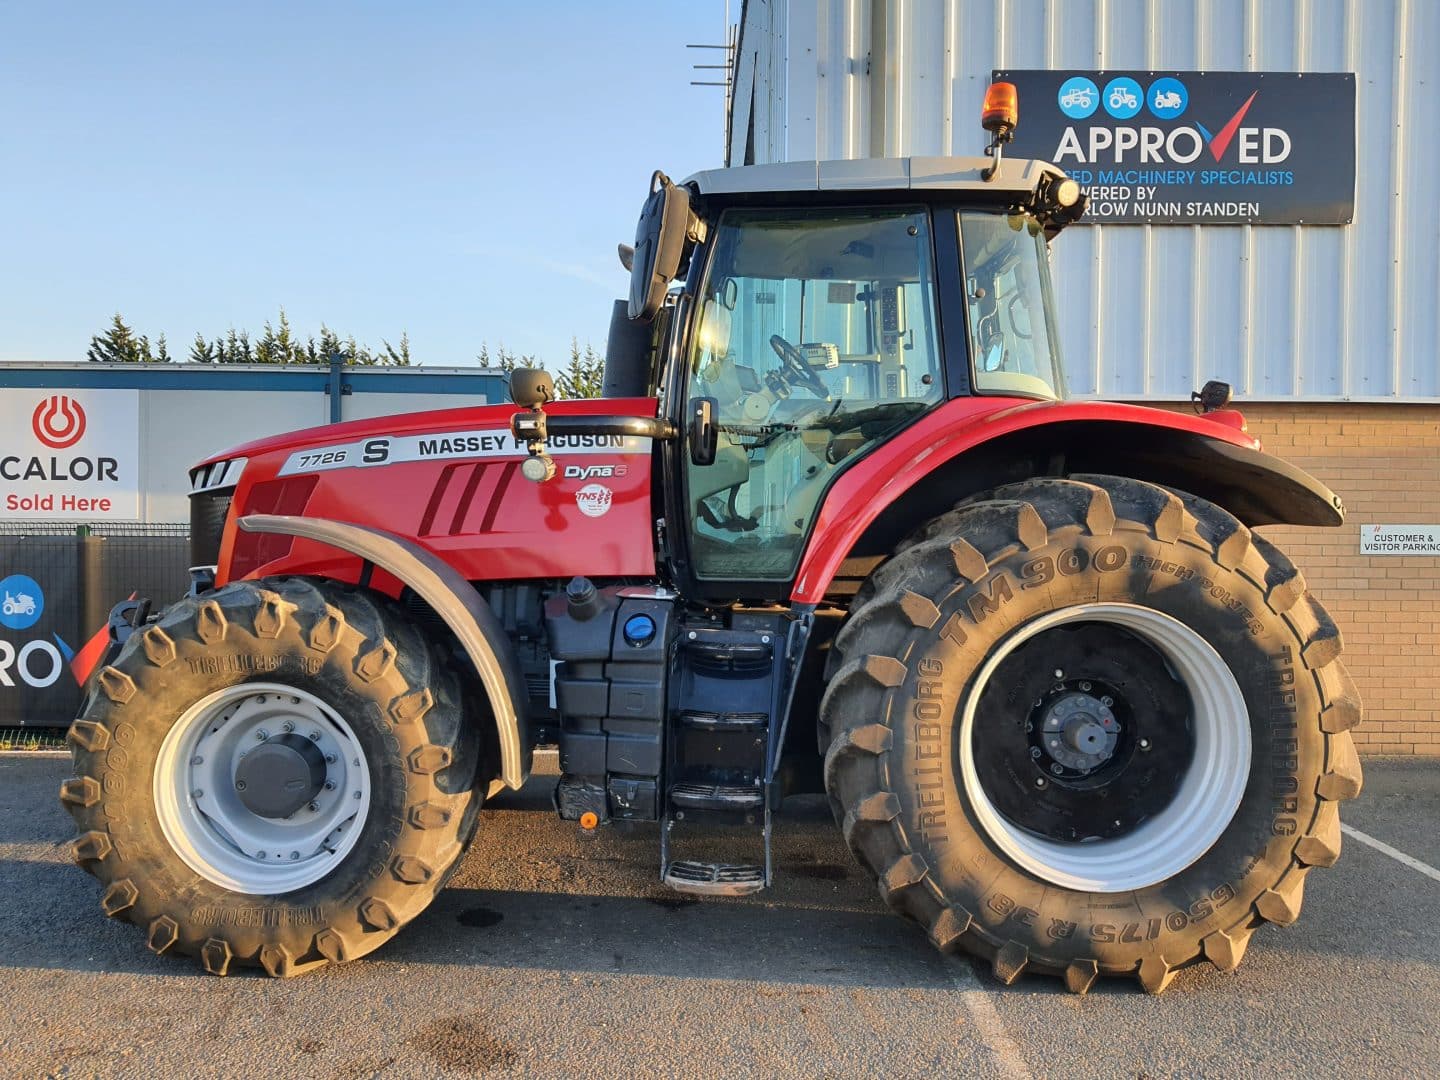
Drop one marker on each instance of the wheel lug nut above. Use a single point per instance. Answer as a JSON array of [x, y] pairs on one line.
[[261, 735], [259, 854], [296, 854], [1056, 769], [288, 726], [1107, 701], [197, 760], [239, 785], [329, 785], [198, 793], [1085, 686], [314, 736], [357, 794], [314, 806], [1034, 751]]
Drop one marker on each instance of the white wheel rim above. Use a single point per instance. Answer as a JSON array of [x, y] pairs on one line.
[[211, 829], [1205, 801]]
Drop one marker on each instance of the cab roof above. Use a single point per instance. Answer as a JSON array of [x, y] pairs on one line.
[[1017, 177]]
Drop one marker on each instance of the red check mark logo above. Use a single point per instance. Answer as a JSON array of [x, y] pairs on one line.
[[1220, 141]]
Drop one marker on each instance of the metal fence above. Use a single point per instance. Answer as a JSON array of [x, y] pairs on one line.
[[58, 582]]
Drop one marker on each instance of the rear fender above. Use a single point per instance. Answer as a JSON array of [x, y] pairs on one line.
[[452, 598], [972, 444]]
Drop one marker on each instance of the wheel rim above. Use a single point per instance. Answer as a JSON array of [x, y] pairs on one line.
[[261, 788], [1205, 799]]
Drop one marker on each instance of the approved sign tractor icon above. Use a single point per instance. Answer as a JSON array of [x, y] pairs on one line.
[[22, 604], [1171, 100], [1122, 98], [1079, 98]]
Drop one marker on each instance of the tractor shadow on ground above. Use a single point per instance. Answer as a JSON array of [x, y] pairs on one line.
[[532, 895]]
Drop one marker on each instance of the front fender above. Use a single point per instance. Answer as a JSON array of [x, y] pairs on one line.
[[452, 598], [970, 444]]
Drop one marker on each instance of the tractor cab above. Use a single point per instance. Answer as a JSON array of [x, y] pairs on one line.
[[824, 306]]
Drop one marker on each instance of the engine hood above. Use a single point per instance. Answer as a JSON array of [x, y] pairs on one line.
[[436, 420]]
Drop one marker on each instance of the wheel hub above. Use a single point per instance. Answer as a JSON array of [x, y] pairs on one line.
[[1079, 731], [280, 776]]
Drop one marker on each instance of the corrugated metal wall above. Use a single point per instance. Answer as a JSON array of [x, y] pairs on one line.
[[1321, 313]]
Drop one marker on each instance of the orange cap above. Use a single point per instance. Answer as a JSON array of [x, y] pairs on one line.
[[588, 820], [1001, 111]]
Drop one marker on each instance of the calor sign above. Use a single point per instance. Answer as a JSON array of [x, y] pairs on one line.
[[70, 455]]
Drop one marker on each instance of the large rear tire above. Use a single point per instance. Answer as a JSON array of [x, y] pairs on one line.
[[1090, 726], [278, 774]]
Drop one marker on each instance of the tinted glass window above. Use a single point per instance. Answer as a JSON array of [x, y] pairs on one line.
[[816, 338]]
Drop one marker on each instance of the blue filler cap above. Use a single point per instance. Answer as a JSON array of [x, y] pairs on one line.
[[639, 630]]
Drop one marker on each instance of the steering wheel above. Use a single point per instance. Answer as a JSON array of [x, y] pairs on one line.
[[796, 368]]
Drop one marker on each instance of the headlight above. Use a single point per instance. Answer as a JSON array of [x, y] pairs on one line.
[[216, 475]]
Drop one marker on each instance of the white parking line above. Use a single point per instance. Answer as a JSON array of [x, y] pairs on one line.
[[1399, 856], [982, 1010]]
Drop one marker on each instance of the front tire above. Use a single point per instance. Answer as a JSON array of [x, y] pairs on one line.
[[1090, 726], [277, 774]]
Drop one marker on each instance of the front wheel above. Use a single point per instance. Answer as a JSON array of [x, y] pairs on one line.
[[278, 774], [1088, 727]]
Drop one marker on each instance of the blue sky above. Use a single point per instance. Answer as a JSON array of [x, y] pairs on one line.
[[460, 171]]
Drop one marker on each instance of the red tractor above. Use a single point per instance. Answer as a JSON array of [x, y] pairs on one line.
[[1072, 714]]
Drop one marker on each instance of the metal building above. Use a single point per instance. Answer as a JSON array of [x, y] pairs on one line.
[[1341, 313], [1329, 334]]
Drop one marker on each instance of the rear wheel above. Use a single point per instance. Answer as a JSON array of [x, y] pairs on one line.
[[278, 773], [1091, 727]]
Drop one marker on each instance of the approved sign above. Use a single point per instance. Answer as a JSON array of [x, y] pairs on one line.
[[71, 455]]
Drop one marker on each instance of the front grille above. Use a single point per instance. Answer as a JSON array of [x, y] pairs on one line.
[[208, 511]]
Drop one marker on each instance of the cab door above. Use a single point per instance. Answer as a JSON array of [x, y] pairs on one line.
[[814, 335]]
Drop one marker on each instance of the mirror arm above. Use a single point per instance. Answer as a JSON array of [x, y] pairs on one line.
[[534, 426]]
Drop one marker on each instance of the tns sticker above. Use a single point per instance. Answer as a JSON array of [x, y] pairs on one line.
[[594, 500]]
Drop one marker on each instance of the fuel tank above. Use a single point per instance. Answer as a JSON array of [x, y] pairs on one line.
[[450, 481]]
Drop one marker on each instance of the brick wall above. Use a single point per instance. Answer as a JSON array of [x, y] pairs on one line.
[[1384, 461]]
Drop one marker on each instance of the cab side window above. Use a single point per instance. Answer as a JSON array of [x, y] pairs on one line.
[[817, 337]]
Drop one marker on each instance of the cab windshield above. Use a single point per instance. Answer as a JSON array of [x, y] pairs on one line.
[[1011, 314], [816, 338]]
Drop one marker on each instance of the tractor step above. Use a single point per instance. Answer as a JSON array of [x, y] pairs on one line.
[[714, 879], [721, 752], [720, 653], [730, 721], [693, 796]]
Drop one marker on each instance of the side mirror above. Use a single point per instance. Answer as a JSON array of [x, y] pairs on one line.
[[531, 387], [659, 246], [704, 435]]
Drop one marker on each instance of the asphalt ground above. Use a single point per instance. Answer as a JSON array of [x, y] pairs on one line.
[[554, 955]]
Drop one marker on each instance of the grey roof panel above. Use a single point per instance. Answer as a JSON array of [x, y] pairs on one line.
[[1017, 176]]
